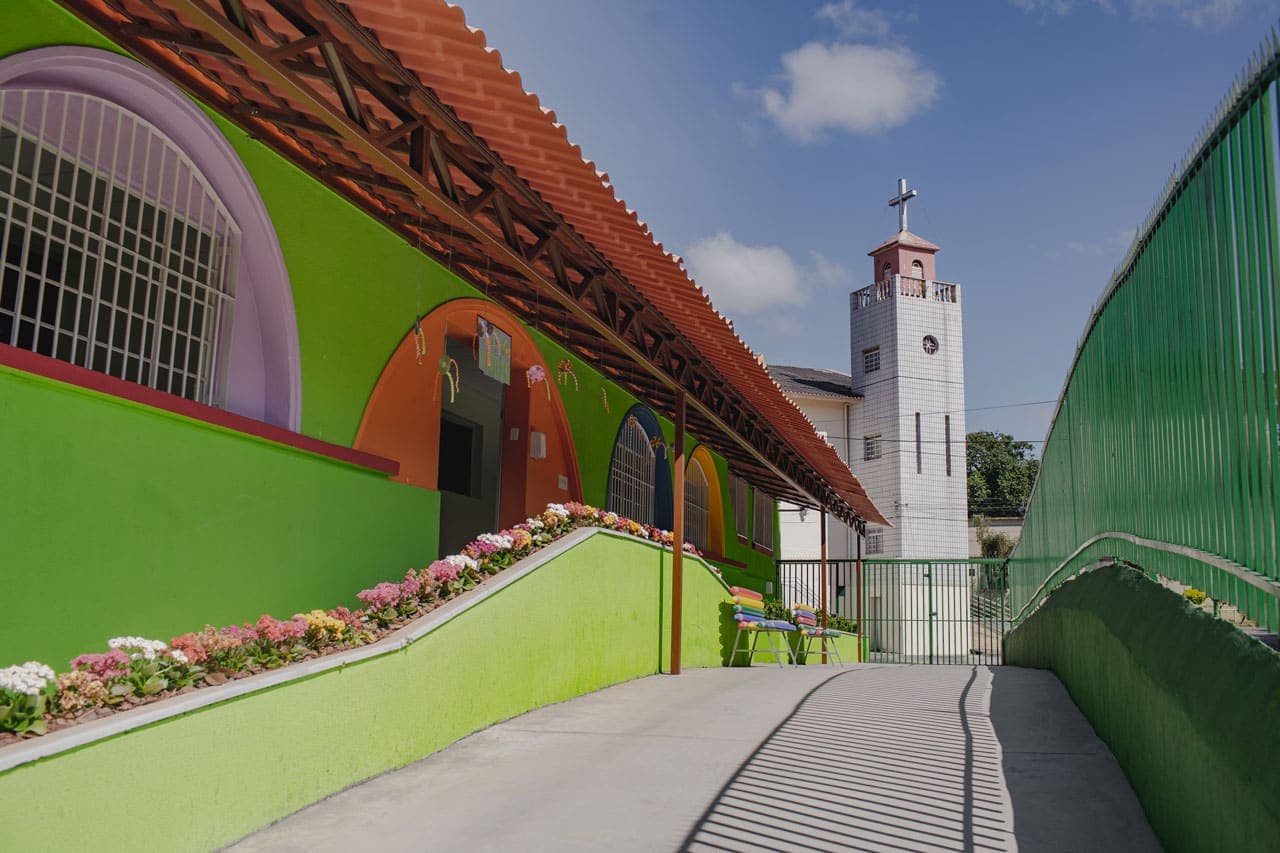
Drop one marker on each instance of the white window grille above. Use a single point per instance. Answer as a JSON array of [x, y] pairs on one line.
[[697, 500], [871, 447], [871, 360], [763, 521], [116, 253], [631, 475], [875, 541], [741, 505]]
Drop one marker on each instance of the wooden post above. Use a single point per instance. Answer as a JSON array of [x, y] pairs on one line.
[[862, 630], [677, 539], [822, 580]]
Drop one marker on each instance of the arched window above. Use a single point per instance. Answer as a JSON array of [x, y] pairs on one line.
[[117, 253], [886, 271], [134, 242], [917, 269], [697, 492], [631, 475]]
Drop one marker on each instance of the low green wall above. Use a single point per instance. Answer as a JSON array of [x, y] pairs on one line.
[[1189, 705], [594, 615], [146, 523]]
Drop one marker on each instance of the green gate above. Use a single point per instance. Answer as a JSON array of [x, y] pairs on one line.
[[912, 611]]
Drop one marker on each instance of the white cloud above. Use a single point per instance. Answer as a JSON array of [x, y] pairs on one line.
[[854, 22], [1112, 245], [764, 282], [855, 87], [1201, 14], [1044, 7]]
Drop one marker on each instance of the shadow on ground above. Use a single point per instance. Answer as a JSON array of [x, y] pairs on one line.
[[876, 758], [1066, 788]]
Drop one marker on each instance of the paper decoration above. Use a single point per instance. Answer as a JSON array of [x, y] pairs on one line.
[[493, 351]]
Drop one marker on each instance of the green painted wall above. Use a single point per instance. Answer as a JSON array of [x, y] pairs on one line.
[[1189, 705], [1187, 455], [589, 618], [357, 287], [145, 523]]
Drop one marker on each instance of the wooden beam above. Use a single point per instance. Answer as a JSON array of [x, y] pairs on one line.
[[440, 166], [677, 539], [345, 65], [236, 13], [299, 46]]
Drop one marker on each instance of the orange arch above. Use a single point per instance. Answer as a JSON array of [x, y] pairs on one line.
[[715, 508], [402, 418]]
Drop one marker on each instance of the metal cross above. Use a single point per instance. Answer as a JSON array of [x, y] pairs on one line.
[[900, 201]]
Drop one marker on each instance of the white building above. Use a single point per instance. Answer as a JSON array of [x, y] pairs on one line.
[[898, 421]]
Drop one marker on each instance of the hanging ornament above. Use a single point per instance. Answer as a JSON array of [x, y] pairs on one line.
[[535, 374], [659, 446], [419, 341], [604, 398], [449, 371], [564, 372]]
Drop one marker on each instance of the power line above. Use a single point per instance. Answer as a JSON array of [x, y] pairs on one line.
[[974, 409], [954, 441]]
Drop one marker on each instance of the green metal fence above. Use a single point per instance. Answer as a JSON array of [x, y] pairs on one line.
[[912, 611], [1165, 448]]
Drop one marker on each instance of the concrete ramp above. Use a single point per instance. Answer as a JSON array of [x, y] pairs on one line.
[[870, 757]]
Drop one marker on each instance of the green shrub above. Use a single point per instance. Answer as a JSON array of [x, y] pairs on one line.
[[995, 544], [1195, 596]]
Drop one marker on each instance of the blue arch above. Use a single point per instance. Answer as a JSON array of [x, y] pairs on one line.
[[663, 510]]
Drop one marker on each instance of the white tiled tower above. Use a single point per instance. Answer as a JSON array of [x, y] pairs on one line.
[[908, 364]]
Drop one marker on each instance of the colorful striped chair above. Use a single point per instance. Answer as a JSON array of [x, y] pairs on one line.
[[748, 612], [806, 618]]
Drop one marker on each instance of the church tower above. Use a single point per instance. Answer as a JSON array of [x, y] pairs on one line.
[[908, 365]]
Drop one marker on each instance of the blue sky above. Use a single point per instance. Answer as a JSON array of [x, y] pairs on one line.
[[762, 140]]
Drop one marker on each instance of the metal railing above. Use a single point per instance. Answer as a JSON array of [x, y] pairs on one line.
[[902, 285], [1164, 449], [912, 611]]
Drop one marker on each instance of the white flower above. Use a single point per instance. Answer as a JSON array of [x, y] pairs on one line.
[[610, 518], [495, 539], [28, 679], [178, 655], [141, 645], [460, 561], [558, 510], [534, 523]]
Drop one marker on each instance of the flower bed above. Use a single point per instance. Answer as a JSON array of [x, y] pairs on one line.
[[135, 670]]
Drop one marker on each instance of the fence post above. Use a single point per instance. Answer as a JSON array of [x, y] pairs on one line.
[[857, 570], [822, 579], [677, 540]]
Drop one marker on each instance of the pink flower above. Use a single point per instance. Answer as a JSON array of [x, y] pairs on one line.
[[443, 571], [190, 645], [381, 596], [411, 586], [112, 664], [279, 630], [342, 614], [243, 633]]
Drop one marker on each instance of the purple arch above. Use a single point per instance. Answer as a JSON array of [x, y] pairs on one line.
[[264, 378]]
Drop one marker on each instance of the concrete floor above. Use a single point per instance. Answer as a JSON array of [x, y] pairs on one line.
[[870, 757]]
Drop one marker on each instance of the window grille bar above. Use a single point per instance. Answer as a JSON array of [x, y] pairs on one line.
[[697, 495], [631, 480], [115, 253]]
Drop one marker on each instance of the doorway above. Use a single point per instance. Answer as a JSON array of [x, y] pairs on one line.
[[470, 460]]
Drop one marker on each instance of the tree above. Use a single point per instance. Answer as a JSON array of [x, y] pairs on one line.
[[1001, 472]]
